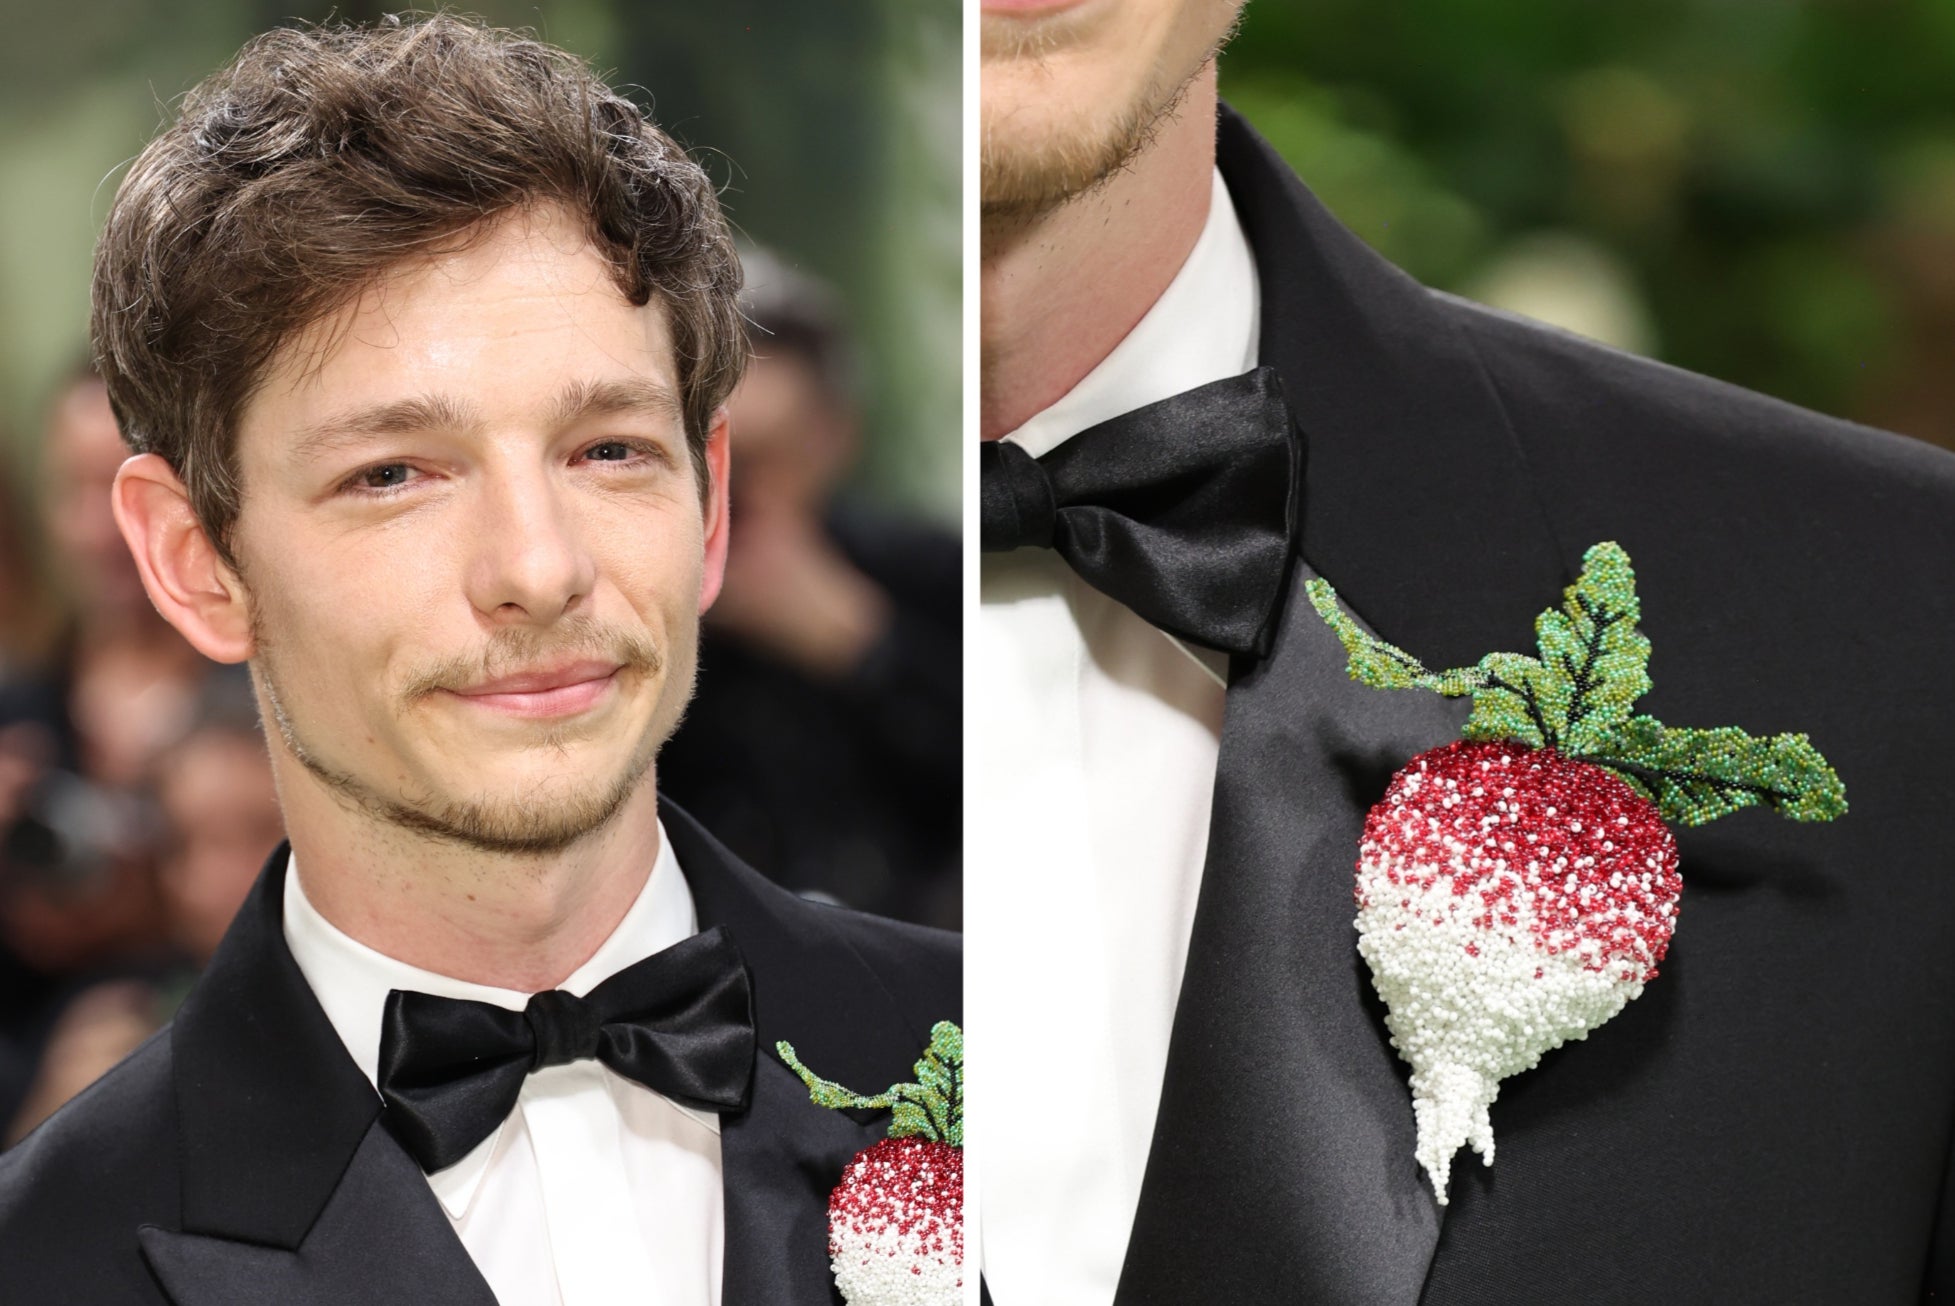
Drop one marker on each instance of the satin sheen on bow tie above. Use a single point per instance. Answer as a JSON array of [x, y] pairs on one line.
[[679, 1022], [1184, 510]]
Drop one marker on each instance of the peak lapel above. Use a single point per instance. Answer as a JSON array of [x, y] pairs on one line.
[[380, 1237], [1281, 1168], [291, 1191]]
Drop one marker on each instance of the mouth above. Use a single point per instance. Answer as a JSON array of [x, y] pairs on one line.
[[545, 692], [1027, 8]]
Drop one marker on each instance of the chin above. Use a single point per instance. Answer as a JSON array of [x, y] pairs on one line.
[[546, 816], [1051, 154]]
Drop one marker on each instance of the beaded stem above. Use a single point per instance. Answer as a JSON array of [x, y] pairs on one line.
[[931, 1108]]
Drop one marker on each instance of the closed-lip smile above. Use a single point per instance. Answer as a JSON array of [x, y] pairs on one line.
[[552, 691]]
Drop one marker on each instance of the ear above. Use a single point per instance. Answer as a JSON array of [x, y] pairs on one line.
[[187, 579], [719, 468]]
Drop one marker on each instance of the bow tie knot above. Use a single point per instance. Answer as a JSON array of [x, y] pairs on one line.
[[1016, 508], [679, 1022], [566, 1029], [1185, 510]]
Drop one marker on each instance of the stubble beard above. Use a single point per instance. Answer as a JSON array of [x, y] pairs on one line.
[[503, 826], [1022, 183]]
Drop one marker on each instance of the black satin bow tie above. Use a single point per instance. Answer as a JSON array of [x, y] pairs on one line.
[[679, 1022], [1184, 510]]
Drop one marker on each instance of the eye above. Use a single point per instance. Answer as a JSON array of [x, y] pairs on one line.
[[380, 480], [643, 454], [385, 477]]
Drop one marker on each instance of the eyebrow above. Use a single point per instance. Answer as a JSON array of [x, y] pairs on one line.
[[576, 402], [582, 400]]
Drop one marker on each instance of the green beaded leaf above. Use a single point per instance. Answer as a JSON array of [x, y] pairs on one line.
[[1595, 663], [1507, 701], [932, 1107], [1504, 686], [1382, 665], [1695, 776], [1578, 696]]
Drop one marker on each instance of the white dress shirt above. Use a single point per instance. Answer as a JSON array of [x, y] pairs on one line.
[[595, 1190], [1095, 739]]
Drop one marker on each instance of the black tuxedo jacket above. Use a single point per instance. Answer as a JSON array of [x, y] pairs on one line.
[[238, 1159], [1771, 1121]]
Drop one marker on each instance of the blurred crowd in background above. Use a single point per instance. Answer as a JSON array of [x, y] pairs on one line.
[[136, 799]]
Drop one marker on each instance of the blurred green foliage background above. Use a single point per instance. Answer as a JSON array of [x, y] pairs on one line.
[[1763, 190], [833, 129]]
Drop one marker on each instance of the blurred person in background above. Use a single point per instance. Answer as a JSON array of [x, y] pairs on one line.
[[215, 820], [123, 682], [26, 747], [219, 806], [79, 908], [25, 618], [824, 743], [81, 728]]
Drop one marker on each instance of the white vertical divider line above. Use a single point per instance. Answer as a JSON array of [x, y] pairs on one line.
[[973, 719]]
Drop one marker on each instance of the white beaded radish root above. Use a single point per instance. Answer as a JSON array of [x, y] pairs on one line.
[[1509, 900]]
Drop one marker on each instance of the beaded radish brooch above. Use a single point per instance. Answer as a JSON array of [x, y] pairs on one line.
[[896, 1219], [1517, 887]]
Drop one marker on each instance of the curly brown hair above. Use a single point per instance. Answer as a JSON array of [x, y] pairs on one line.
[[324, 156]]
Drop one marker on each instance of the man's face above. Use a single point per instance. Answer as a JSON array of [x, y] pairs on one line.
[[474, 544], [1071, 89]]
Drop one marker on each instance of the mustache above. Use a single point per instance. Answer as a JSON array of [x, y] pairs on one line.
[[1025, 38], [514, 649]]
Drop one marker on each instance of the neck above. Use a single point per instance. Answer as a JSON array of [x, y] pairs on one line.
[[1061, 289], [521, 922]]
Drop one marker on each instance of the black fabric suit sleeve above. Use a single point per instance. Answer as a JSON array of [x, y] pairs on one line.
[[1939, 1286]]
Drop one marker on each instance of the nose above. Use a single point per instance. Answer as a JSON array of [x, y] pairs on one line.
[[530, 563]]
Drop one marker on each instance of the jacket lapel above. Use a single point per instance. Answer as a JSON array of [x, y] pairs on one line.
[[291, 1190], [783, 1155], [380, 1237], [1281, 1168]]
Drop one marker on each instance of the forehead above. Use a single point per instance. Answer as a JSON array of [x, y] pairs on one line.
[[505, 318]]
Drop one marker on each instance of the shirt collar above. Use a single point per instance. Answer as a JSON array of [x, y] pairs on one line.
[[352, 981], [1203, 328]]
